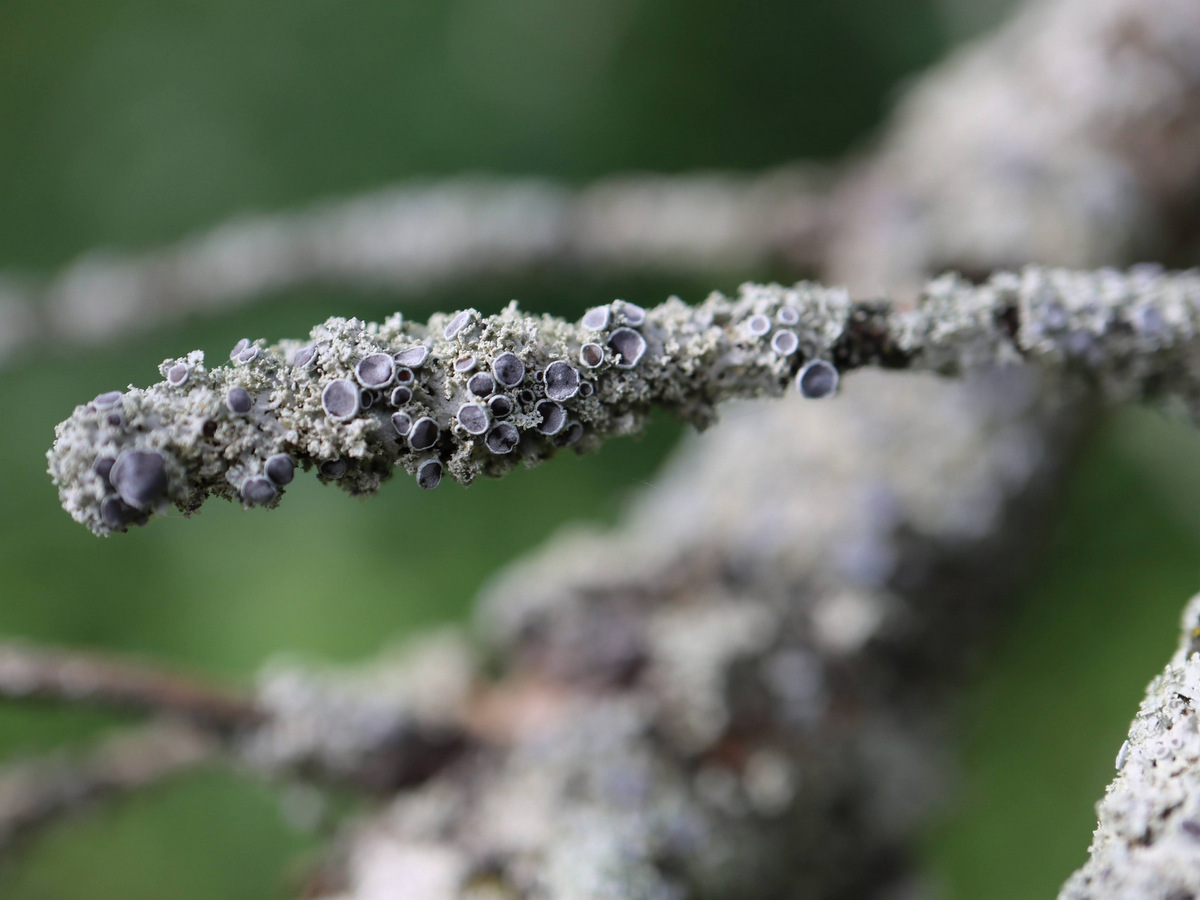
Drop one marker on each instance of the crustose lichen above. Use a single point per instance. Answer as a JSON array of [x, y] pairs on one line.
[[467, 395]]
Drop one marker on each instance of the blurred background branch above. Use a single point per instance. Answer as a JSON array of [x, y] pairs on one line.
[[43, 792], [1146, 842]]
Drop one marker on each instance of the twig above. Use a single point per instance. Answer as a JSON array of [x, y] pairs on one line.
[[30, 673], [1147, 843], [40, 793], [1033, 146], [417, 236], [369, 732], [379, 726]]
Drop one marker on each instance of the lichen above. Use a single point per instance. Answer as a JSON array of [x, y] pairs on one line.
[[358, 400]]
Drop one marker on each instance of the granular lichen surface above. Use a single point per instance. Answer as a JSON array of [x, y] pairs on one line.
[[465, 395]]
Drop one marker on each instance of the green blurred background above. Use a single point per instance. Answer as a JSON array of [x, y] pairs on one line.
[[127, 123]]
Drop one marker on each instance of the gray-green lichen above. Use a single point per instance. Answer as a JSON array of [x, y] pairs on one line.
[[470, 395], [1147, 843]]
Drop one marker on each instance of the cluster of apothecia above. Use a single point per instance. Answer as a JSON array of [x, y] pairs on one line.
[[460, 396]]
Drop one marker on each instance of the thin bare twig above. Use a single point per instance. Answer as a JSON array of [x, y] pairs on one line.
[[419, 236], [369, 733], [39, 793], [86, 679]]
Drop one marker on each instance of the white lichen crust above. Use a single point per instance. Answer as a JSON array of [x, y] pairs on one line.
[[1147, 843], [359, 399]]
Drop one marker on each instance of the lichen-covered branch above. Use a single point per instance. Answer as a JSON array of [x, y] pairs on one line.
[[741, 691], [470, 395], [1070, 137], [754, 707], [379, 727], [1147, 843], [415, 236]]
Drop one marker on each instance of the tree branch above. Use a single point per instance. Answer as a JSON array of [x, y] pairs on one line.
[[377, 729], [362, 729], [40, 674], [651, 753], [417, 236], [471, 395], [740, 690], [1147, 843], [43, 792], [1069, 137]]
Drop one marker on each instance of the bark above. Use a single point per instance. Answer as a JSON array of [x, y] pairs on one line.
[[744, 690], [1147, 843]]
